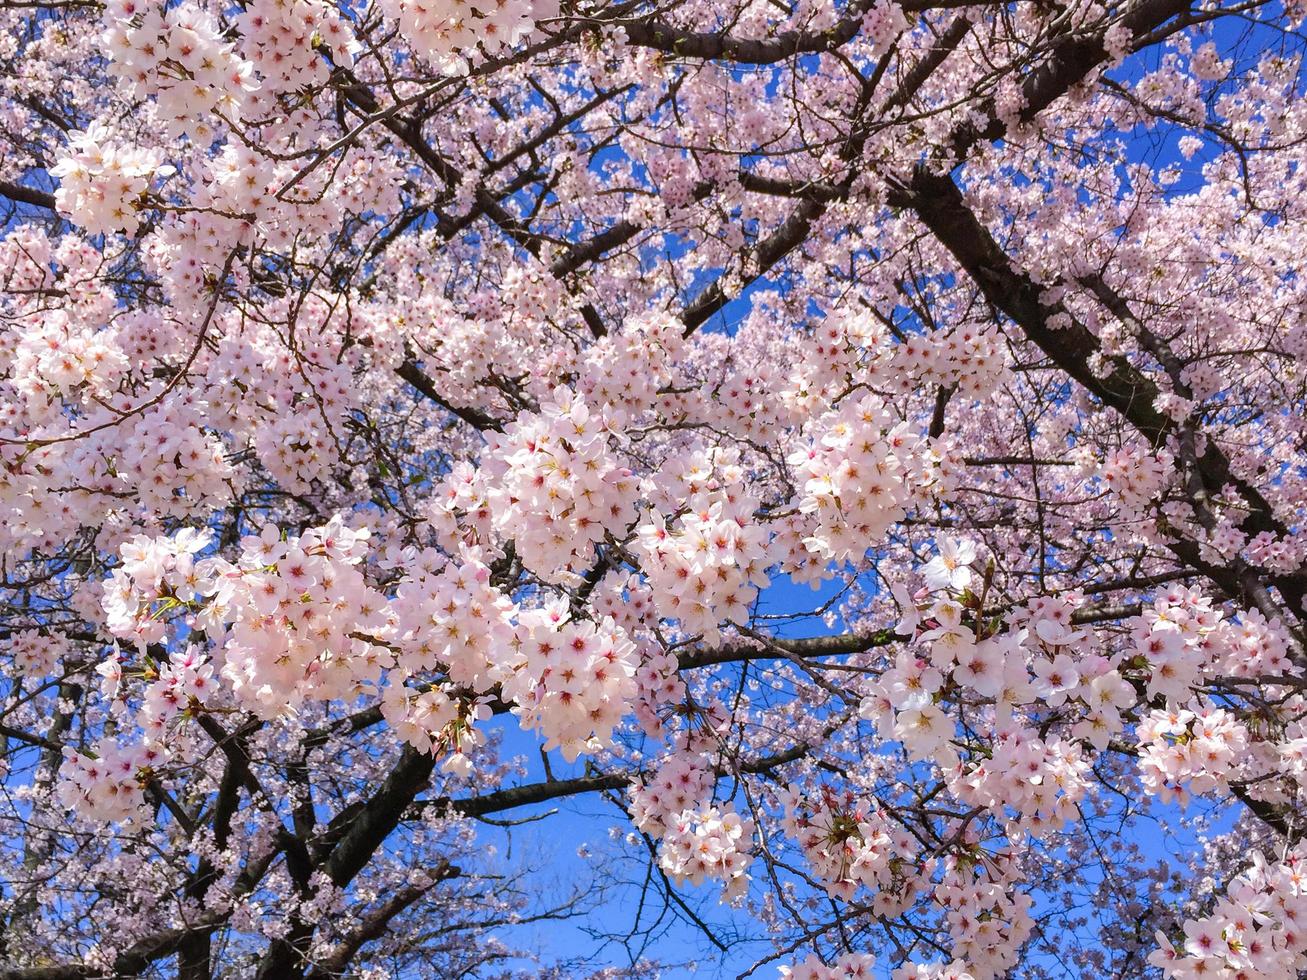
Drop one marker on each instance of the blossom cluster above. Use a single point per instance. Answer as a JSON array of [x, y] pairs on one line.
[[1040, 781], [882, 23], [442, 30], [1255, 929], [155, 574], [1189, 750], [102, 183], [709, 843], [1137, 477], [706, 568], [431, 720], [295, 448], [954, 970], [847, 966], [178, 56], [279, 37], [744, 403], [659, 684], [181, 684], [572, 680], [988, 920], [843, 348], [35, 653], [859, 475], [168, 458], [302, 619], [1279, 554], [107, 784], [970, 359], [679, 783], [623, 374], [1038, 659], [626, 599], [451, 619], [556, 490], [848, 845], [294, 614]]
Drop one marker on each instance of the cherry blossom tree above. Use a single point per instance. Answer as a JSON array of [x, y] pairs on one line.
[[859, 444]]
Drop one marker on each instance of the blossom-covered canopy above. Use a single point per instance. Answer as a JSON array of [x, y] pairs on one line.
[[854, 449]]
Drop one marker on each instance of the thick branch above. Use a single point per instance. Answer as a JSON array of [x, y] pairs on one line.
[[26, 195], [1073, 348]]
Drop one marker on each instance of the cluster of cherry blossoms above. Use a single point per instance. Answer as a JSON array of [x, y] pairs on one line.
[[430, 720], [679, 784], [102, 183], [970, 359], [555, 488], [709, 843], [847, 966], [572, 680], [281, 37], [294, 615], [745, 403], [859, 476], [296, 620], [35, 653], [1041, 782], [699, 840], [1137, 477], [452, 620], [296, 449], [168, 458], [450, 33], [848, 845], [846, 346], [62, 351], [1175, 638], [706, 567], [882, 23], [1258, 928], [181, 684], [155, 575], [303, 620], [661, 689], [988, 920], [178, 56], [1190, 750], [625, 373], [108, 783], [860, 966], [1277, 554], [623, 597], [1038, 662]]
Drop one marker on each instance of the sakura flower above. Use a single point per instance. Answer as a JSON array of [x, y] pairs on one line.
[[949, 570], [1054, 679]]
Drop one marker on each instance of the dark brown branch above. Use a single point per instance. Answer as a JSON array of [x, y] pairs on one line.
[[27, 195], [376, 924], [474, 417]]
